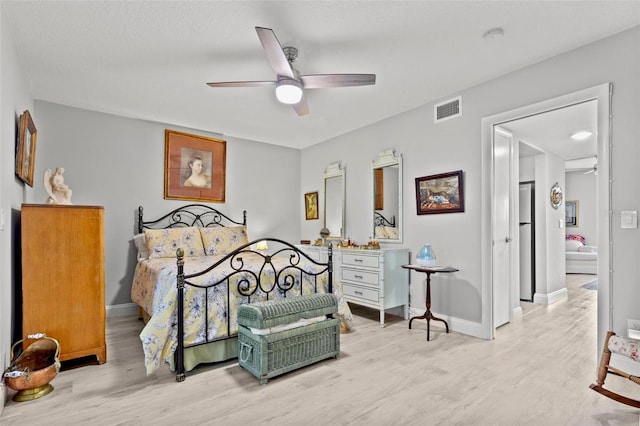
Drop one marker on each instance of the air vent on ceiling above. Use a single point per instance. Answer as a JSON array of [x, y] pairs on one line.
[[451, 108]]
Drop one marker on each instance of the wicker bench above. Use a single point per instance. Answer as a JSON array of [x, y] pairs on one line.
[[268, 354]]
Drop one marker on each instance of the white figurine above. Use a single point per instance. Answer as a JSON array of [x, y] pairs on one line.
[[59, 193]]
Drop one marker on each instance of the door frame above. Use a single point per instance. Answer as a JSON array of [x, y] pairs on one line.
[[602, 93]]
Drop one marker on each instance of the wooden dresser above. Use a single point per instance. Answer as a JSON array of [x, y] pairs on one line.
[[63, 277], [371, 278], [375, 278]]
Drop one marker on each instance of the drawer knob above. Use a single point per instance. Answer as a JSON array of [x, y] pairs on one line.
[[359, 293], [358, 260], [358, 276]]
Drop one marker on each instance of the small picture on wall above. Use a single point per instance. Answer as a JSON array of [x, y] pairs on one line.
[[26, 148], [441, 193], [194, 167], [311, 205], [571, 213]]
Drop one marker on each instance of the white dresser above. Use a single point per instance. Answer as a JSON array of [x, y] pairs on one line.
[[374, 278]]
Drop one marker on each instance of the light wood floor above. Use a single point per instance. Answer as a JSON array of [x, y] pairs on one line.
[[536, 372]]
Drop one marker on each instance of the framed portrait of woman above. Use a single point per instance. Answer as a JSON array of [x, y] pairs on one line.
[[194, 167]]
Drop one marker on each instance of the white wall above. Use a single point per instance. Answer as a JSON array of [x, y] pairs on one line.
[[429, 148], [14, 99], [582, 188]]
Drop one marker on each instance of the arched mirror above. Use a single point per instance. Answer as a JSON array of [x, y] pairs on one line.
[[387, 197], [334, 186]]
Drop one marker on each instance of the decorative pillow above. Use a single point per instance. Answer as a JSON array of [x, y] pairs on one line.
[[141, 245], [588, 249], [165, 242], [219, 240], [572, 245], [575, 237]]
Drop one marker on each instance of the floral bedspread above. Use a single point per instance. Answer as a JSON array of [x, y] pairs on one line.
[[154, 289]]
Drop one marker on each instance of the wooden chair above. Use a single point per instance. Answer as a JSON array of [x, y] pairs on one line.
[[624, 347]]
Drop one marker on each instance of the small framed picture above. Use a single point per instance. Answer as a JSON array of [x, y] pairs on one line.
[[442, 193], [26, 148], [311, 205], [194, 167], [571, 213]]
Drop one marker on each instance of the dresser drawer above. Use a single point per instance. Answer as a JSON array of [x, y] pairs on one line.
[[361, 260], [364, 277], [360, 292], [315, 255]]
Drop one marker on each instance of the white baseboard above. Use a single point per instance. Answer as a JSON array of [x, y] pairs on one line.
[[455, 324], [517, 313], [122, 310], [551, 298]]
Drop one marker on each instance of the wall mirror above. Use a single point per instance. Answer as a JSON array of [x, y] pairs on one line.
[[387, 197], [334, 188]]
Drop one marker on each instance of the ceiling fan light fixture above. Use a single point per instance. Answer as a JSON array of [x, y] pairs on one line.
[[288, 91], [580, 135]]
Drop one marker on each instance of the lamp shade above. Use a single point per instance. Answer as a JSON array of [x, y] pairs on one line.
[[288, 91], [426, 256], [262, 245]]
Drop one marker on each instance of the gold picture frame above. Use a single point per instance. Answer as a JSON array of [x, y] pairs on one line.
[[26, 148], [311, 205], [194, 167]]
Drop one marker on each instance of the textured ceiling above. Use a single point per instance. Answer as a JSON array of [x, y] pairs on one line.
[[151, 60]]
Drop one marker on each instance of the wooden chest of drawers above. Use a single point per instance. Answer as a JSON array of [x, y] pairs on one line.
[[63, 277]]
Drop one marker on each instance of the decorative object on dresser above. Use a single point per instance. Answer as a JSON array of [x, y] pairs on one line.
[[63, 277], [427, 314], [26, 149], [194, 167], [375, 278], [386, 198], [441, 193], [59, 193], [216, 272]]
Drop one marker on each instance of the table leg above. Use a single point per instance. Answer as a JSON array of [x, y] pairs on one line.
[[427, 314]]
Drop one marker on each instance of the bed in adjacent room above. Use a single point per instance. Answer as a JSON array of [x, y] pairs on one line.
[[219, 269]]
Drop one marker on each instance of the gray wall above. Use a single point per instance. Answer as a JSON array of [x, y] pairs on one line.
[[582, 188], [14, 99], [429, 148], [118, 163]]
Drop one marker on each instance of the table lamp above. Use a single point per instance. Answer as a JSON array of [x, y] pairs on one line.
[[426, 256], [261, 246]]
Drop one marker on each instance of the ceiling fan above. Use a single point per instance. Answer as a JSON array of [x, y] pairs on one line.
[[289, 83]]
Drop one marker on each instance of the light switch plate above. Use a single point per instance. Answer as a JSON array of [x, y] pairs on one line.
[[629, 219], [633, 328]]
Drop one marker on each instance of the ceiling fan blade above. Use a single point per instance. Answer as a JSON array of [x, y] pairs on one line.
[[241, 84], [322, 81], [302, 107], [274, 52]]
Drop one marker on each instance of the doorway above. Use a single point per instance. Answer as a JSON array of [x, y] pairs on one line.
[[490, 288]]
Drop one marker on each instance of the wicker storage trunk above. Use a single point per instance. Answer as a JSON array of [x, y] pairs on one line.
[[270, 355]]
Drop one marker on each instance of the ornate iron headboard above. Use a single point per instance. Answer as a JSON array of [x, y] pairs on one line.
[[199, 215], [379, 220]]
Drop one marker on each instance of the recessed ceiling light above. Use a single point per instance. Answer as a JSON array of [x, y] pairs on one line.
[[493, 33], [580, 135]]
